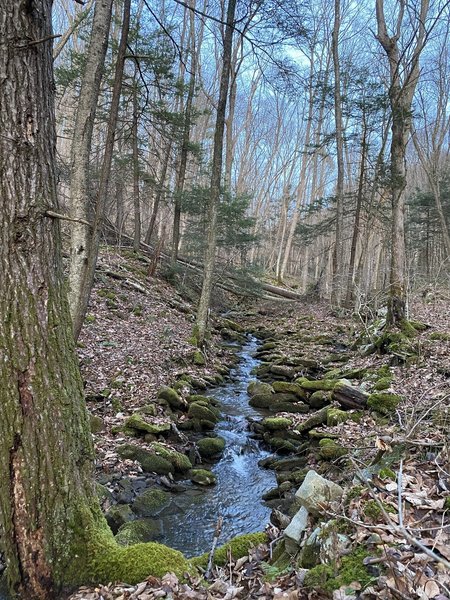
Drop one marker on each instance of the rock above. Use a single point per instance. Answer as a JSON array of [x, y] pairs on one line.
[[203, 412], [258, 387], [349, 396], [332, 544], [139, 423], [141, 530], [330, 450], [198, 383], [294, 531], [292, 388], [384, 403], [277, 492], [180, 462], [150, 462], [267, 346], [336, 416], [261, 401], [150, 503], [295, 477], [202, 477], [291, 407], [171, 397], [310, 554], [317, 418], [199, 358], [317, 492], [276, 423], [211, 446], [284, 397], [117, 515], [148, 409], [319, 399], [281, 445], [316, 384], [96, 423], [124, 492], [287, 464], [283, 371]]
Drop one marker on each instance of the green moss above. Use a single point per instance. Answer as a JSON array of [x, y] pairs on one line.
[[171, 397], [198, 410], [330, 450], [138, 423], [261, 400], [150, 503], [116, 405], [106, 293], [439, 335], [373, 511], [90, 319], [199, 358], [326, 578], [293, 388], [383, 384], [384, 371], [202, 477], [96, 423], [447, 503], [135, 532], [387, 473], [383, 403], [179, 461], [318, 384], [239, 547], [276, 423], [211, 446], [353, 492], [336, 416], [407, 328], [151, 463]]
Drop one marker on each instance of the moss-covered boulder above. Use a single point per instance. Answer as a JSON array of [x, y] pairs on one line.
[[150, 503], [202, 477], [330, 449], [316, 384], [96, 423], [383, 403], [284, 397], [198, 358], [292, 388], [291, 407], [237, 547], [143, 425], [352, 569], [259, 387], [276, 423], [211, 446], [336, 416], [281, 445], [383, 383], [261, 401], [172, 397], [203, 411], [141, 530], [148, 409], [117, 515], [180, 462], [319, 399], [149, 461], [282, 371]]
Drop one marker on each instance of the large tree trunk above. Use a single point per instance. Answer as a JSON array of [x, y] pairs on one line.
[[81, 147], [216, 175], [46, 449]]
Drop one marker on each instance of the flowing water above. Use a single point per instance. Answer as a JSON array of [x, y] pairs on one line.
[[189, 523]]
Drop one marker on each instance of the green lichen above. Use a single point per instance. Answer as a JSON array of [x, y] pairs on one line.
[[179, 461], [238, 546], [326, 578], [383, 403], [211, 446]]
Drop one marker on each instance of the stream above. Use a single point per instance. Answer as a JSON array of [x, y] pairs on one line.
[[189, 523]]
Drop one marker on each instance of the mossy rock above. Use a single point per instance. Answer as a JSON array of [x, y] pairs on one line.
[[237, 547], [150, 503], [276, 423], [117, 515], [141, 530], [291, 407], [259, 387], [211, 446], [281, 445], [277, 492], [317, 384], [96, 423], [203, 412], [150, 462], [296, 477], [171, 396], [293, 388], [384, 371], [148, 409], [408, 328], [284, 397], [137, 422], [205, 400], [336, 416], [330, 450], [283, 371], [202, 477], [383, 403], [327, 578], [261, 401], [440, 335], [319, 399], [180, 462], [383, 383], [199, 358]]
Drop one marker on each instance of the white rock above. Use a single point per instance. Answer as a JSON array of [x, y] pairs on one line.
[[316, 492], [294, 531]]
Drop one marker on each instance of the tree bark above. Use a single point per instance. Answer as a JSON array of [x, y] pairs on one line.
[[216, 175], [136, 202], [81, 148]]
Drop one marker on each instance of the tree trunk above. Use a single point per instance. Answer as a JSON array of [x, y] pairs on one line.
[[87, 272], [159, 194], [216, 175], [81, 148], [136, 202]]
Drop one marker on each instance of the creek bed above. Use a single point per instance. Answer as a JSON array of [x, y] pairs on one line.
[[188, 524]]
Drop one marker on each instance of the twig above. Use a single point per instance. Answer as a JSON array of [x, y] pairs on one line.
[[217, 533], [40, 41], [55, 215], [399, 493]]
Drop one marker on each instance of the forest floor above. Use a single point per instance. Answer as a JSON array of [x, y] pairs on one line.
[[136, 340]]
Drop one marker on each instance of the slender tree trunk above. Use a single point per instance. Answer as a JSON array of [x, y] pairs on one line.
[[338, 257], [88, 267], [136, 202], [81, 148], [216, 175], [159, 194]]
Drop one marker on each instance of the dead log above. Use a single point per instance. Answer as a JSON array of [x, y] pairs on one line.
[[349, 396]]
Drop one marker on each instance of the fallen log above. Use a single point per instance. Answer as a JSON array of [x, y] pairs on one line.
[[349, 396]]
